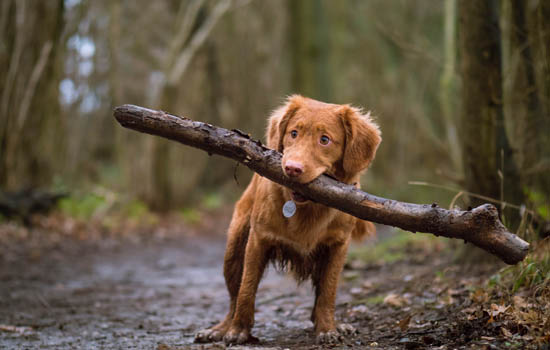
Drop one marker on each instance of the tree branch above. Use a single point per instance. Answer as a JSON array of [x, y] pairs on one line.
[[479, 226], [197, 41]]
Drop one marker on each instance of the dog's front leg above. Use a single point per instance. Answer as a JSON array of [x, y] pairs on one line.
[[255, 261], [326, 285]]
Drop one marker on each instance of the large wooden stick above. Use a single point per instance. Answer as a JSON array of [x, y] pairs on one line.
[[480, 226]]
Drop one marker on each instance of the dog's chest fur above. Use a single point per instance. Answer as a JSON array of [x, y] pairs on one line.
[[310, 227]]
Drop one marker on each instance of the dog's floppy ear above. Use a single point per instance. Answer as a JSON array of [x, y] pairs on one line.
[[362, 139], [278, 121]]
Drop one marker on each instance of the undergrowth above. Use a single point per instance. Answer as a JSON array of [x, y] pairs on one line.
[[533, 273], [396, 246]]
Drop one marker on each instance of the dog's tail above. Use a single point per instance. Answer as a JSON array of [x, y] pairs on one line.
[[362, 230]]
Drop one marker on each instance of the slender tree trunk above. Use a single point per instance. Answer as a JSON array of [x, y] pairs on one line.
[[448, 85], [522, 97], [29, 93], [487, 157], [197, 22], [310, 49], [538, 27]]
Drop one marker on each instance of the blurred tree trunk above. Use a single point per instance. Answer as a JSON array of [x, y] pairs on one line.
[[489, 166], [195, 22], [448, 87], [527, 89], [31, 131], [309, 38]]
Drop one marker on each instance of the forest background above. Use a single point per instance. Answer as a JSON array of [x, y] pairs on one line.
[[461, 90]]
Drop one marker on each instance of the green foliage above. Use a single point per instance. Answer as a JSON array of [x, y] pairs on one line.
[[540, 203], [82, 206], [191, 215], [495, 280], [209, 202], [136, 209], [101, 202], [212, 201], [532, 273]]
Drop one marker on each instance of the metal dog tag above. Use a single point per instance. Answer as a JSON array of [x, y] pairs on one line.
[[289, 209]]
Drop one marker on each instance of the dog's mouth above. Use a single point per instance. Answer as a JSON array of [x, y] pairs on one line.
[[298, 198]]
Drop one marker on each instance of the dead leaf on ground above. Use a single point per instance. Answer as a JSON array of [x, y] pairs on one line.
[[395, 300], [480, 296], [496, 310], [404, 323], [520, 302], [471, 312]]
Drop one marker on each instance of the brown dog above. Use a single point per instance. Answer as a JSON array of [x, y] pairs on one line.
[[315, 138]]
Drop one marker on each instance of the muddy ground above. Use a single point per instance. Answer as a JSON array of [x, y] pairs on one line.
[[154, 290]]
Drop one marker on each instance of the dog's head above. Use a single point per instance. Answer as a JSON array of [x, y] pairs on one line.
[[317, 138]]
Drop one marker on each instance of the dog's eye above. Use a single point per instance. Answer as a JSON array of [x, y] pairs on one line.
[[324, 140], [294, 134]]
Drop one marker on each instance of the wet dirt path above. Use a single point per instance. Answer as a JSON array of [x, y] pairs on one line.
[[156, 293], [138, 296]]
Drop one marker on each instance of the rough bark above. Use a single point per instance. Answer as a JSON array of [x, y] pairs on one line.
[[528, 41], [489, 167], [479, 226], [30, 72]]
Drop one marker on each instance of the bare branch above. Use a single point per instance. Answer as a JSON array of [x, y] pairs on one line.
[[31, 86], [186, 17], [197, 41], [479, 226]]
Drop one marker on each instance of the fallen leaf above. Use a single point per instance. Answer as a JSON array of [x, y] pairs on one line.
[[395, 300], [519, 301], [367, 285], [404, 323], [498, 309], [530, 317], [480, 296]]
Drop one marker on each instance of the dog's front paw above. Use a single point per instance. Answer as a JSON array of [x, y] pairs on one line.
[[329, 337], [203, 336], [209, 335], [336, 336], [237, 335]]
